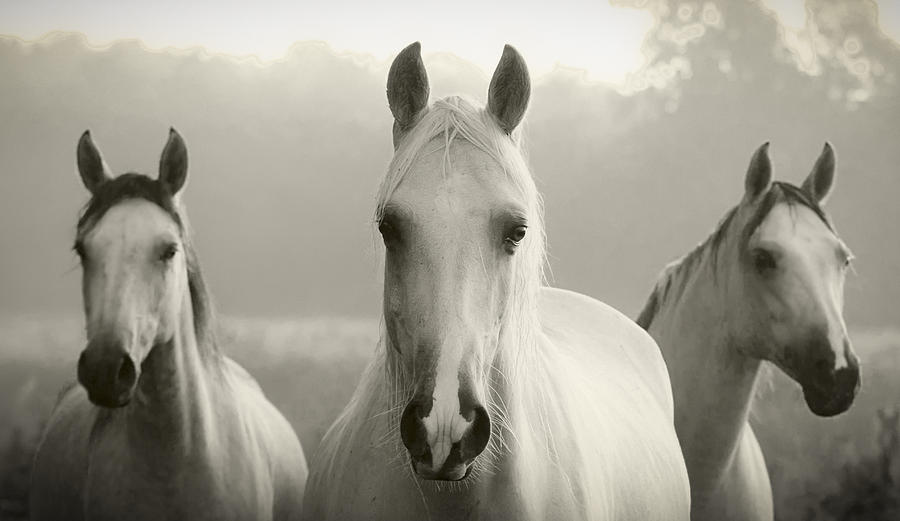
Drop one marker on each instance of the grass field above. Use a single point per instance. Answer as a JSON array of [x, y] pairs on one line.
[[309, 368]]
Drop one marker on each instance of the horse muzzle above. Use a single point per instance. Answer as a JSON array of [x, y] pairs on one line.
[[108, 374], [829, 391], [834, 396], [455, 462], [453, 469]]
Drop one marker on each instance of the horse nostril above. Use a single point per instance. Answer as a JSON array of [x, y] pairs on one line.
[[108, 374], [412, 430], [126, 375], [848, 379], [82, 368], [476, 439], [824, 366]]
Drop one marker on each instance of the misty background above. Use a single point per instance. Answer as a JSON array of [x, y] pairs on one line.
[[285, 158]]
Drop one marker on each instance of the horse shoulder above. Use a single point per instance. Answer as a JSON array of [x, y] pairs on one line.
[[237, 374], [274, 437], [621, 402], [58, 472], [613, 336]]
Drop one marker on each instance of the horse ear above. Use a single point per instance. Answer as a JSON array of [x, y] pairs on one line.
[[510, 90], [173, 164], [759, 174], [820, 181], [91, 167], [407, 88]]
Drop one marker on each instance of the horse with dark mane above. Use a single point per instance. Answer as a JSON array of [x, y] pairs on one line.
[[766, 285], [163, 425]]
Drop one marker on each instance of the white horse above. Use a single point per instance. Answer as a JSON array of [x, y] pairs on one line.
[[766, 285], [491, 396], [163, 426]]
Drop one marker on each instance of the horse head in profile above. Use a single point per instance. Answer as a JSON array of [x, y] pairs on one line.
[[767, 285], [788, 283]]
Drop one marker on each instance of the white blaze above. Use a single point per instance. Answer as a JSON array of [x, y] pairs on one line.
[[444, 425]]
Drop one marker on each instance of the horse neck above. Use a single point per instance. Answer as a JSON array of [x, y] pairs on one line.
[[174, 402], [712, 383]]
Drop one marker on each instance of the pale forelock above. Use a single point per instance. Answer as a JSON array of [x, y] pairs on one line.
[[452, 118]]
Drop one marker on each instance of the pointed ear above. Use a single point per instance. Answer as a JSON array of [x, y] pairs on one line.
[[173, 164], [759, 174], [407, 88], [91, 167], [820, 181], [510, 90]]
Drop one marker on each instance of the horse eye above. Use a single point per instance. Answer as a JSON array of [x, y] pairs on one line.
[[169, 252], [848, 260], [515, 236], [387, 230], [79, 250], [764, 261]]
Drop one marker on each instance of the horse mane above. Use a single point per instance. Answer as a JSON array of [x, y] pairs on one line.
[[138, 186], [675, 275]]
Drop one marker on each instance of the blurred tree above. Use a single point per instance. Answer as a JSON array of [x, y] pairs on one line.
[[841, 52], [851, 52], [720, 78]]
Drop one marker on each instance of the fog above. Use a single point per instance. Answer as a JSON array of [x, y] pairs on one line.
[[285, 157]]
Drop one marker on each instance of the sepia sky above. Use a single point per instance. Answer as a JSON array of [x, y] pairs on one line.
[[594, 36], [270, 146]]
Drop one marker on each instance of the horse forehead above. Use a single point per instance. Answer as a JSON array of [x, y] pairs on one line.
[[132, 222], [794, 225], [465, 177]]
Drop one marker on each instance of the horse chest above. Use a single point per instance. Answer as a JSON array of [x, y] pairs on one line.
[[128, 484], [402, 501], [378, 486]]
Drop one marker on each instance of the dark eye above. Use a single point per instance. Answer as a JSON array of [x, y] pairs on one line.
[[515, 235], [388, 231], [764, 261], [848, 260], [168, 252], [78, 248]]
